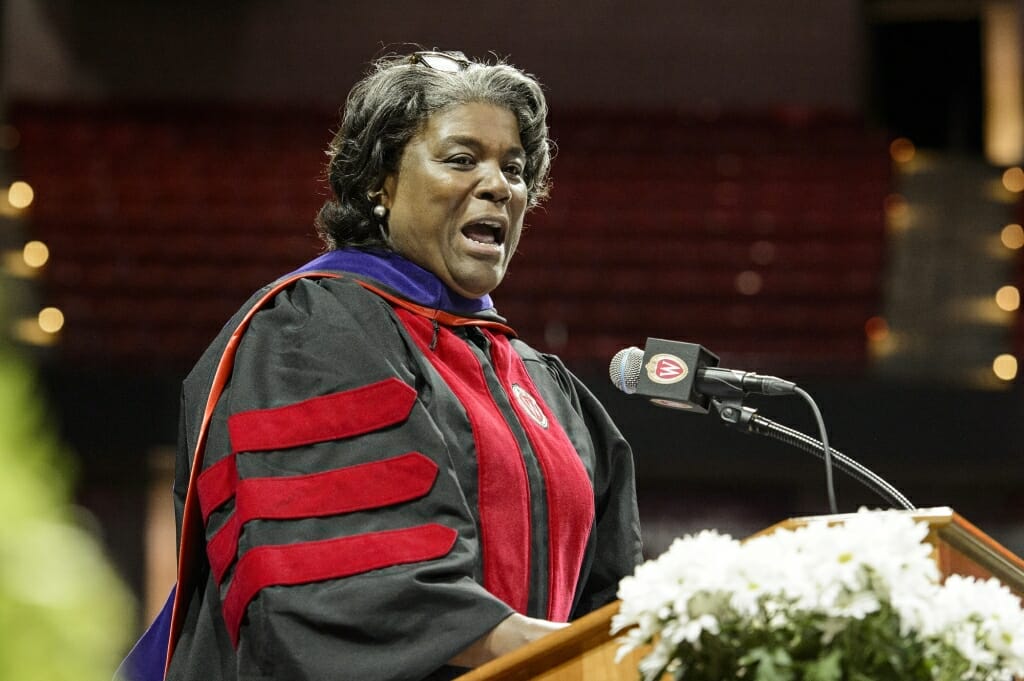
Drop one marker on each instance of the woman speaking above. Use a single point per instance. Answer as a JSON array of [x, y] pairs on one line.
[[385, 482]]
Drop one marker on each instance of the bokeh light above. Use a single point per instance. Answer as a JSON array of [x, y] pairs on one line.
[[35, 254], [1008, 298], [1012, 236], [902, 150], [876, 329], [749, 283], [1013, 179], [1005, 367], [51, 319], [897, 211], [20, 194]]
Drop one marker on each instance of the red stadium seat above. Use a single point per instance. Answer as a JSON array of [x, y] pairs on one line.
[[161, 222]]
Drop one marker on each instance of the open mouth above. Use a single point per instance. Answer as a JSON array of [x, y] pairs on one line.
[[485, 232]]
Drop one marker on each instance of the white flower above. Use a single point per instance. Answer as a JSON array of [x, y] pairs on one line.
[[982, 619], [656, 660], [821, 576]]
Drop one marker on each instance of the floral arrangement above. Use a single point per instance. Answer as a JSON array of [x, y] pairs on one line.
[[860, 601]]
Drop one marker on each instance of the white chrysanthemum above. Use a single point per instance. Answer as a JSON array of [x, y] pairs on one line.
[[982, 619], [829, 575], [657, 597], [655, 661], [771, 567], [691, 564], [689, 629]]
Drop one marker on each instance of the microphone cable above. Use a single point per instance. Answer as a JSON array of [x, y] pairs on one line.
[[826, 450]]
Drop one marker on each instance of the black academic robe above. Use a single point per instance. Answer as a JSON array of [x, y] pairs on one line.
[[384, 483]]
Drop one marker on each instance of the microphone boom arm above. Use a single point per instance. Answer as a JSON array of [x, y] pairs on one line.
[[746, 419]]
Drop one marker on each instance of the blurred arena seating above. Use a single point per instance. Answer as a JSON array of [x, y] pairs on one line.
[[760, 236]]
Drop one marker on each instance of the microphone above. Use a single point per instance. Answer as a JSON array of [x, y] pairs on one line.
[[685, 376]]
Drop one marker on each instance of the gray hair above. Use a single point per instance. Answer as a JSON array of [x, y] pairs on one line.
[[389, 106]]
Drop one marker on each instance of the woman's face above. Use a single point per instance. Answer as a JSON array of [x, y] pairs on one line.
[[456, 204]]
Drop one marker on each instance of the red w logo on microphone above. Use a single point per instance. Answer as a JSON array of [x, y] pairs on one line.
[[666, 369]]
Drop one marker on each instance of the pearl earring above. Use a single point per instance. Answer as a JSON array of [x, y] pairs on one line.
[[380, 212]]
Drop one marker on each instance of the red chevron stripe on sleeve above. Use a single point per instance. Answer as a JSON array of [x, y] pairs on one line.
[[306, 562], [216, 485], [328, 417], [344, 490]]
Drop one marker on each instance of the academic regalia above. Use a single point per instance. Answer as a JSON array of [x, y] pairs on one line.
[[389, 474]]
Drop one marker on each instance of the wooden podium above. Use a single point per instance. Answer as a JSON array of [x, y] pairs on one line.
[[586, 650]]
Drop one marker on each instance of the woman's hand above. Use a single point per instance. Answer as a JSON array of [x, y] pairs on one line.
[[514, 632]]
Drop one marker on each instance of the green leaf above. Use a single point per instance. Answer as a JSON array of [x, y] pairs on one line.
[[770, 664], [827, 668]]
